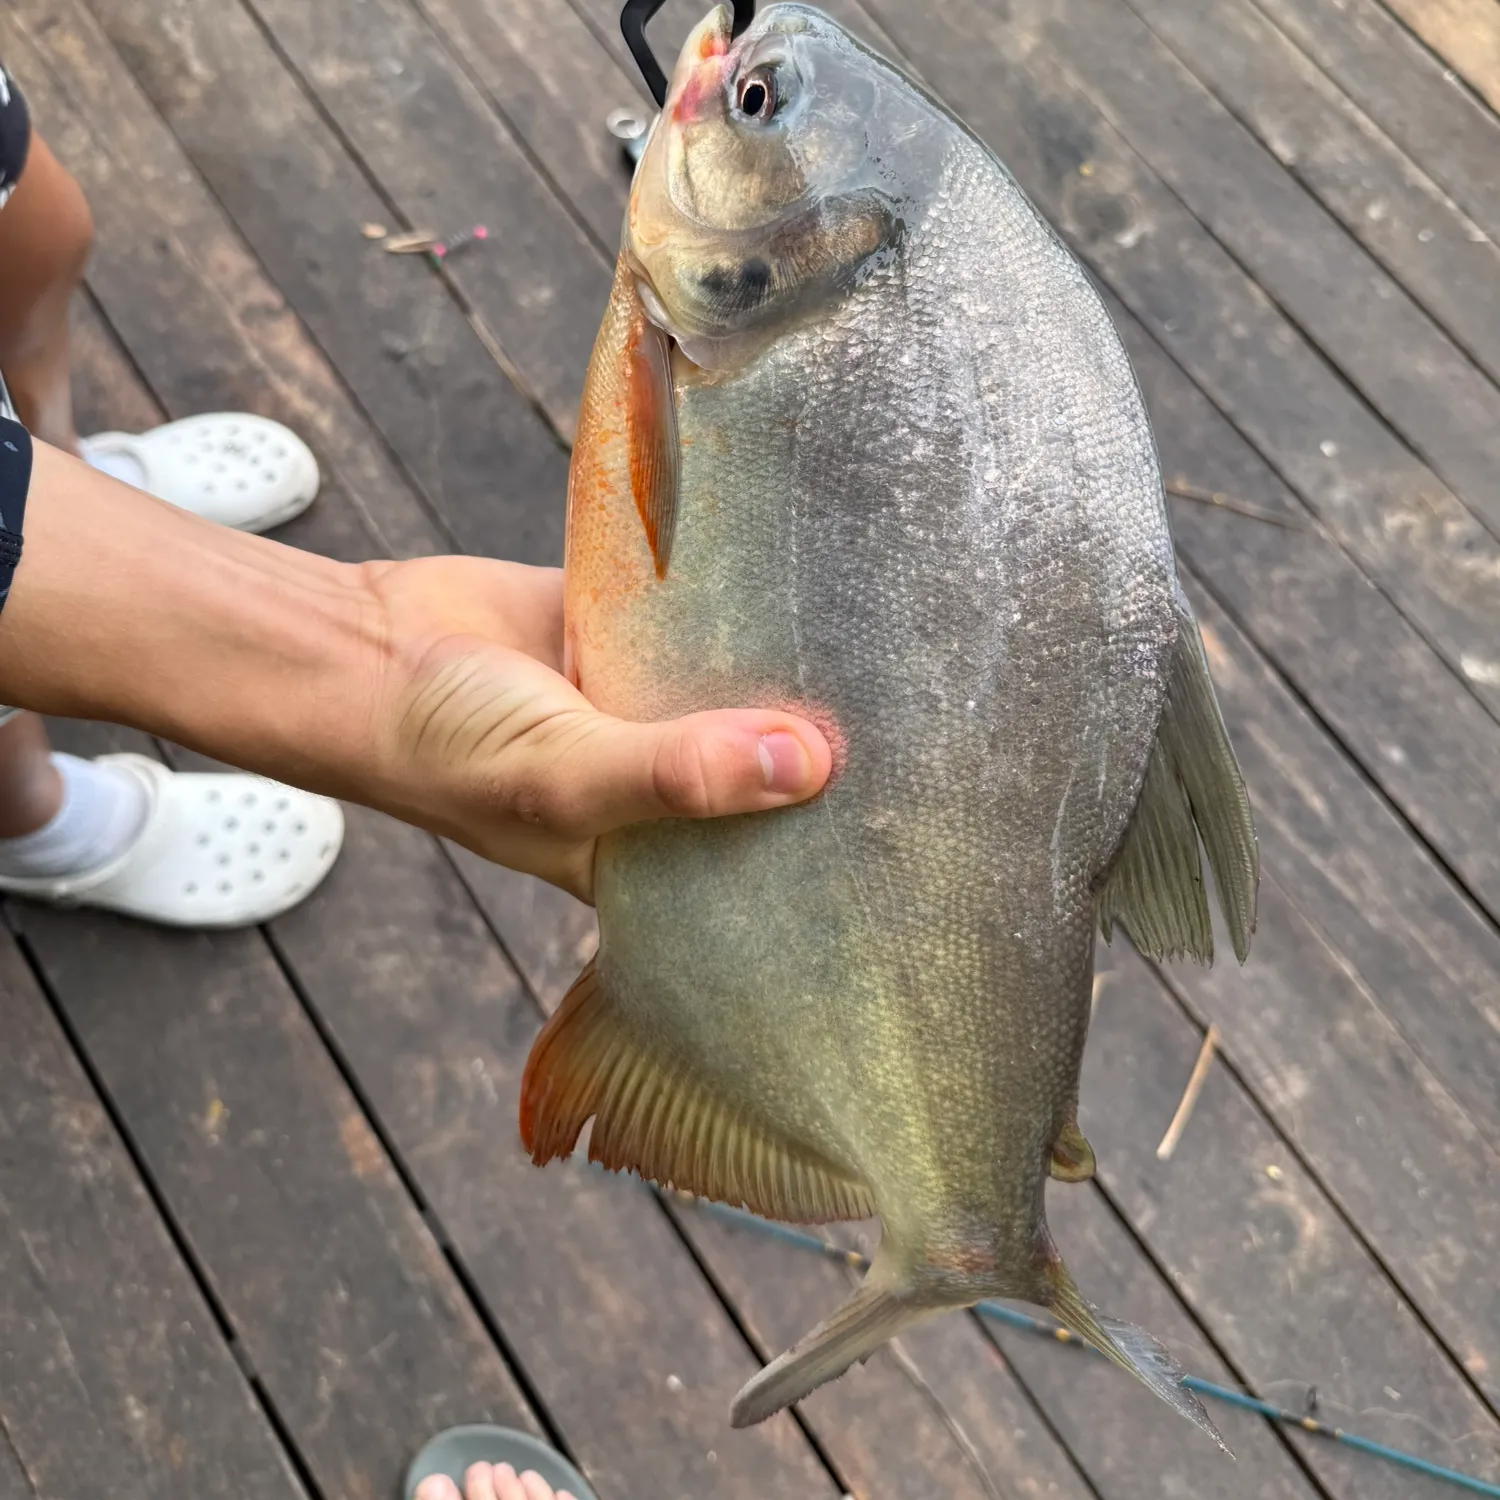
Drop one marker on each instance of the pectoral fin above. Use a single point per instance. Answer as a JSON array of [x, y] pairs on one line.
[[651, 427], [651, 1119], [1193, 788]]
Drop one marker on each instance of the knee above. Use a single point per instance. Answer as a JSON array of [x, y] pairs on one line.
[[46, 236], [71, 220]]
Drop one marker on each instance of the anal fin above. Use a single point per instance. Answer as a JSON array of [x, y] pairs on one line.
[[1193, 789], [650, 1119]]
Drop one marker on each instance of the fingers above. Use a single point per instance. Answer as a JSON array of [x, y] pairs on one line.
[[608, 772]]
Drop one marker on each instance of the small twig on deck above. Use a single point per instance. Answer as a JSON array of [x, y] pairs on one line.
[[1185, 491], [1189, 1095]]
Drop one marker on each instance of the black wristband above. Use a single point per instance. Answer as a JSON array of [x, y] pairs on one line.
[[15, 481]]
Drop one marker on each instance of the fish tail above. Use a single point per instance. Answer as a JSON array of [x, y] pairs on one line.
[[883, 1306], [1131, 1348]]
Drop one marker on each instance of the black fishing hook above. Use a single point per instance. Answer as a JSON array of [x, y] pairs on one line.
[[633, 23]]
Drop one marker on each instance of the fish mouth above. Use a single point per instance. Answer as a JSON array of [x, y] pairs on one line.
[[701, 67]]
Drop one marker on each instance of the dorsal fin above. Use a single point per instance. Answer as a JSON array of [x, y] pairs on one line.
[[668, 1128], [1193, 788]]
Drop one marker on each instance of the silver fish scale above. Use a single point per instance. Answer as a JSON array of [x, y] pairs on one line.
[[936, 518]]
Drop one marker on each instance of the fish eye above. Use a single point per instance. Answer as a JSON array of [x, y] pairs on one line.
[[757, 95]]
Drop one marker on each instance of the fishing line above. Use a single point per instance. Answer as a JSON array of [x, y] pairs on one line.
[[998, 1313]]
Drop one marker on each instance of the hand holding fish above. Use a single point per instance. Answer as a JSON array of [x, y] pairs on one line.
[[499, 751]]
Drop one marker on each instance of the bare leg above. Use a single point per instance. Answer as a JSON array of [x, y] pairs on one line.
[[46, 233], [30, 788], [45, 236]]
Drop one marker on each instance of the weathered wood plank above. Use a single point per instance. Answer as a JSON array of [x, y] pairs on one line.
[[1251, 1240], [112, 1369], [369, 1345], [1442, 257], [1332, 289], [1430, 959], [542, 67], [357, 1327], [1415, 97], [1126, 1440], [1464, 33], [441, 156], [485, 460], [162, 240], [365, 1347], [1389, 1142], [1407, 531], [619, 1333]]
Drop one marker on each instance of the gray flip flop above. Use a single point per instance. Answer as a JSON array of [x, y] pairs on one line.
[[454, 1451]]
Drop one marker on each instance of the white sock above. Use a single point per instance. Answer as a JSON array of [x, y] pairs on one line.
[[119, 466], [103, 809]]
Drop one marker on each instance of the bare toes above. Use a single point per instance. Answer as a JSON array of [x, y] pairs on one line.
[[535, 1487], [507, 1485]]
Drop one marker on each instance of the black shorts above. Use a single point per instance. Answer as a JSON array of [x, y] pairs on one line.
[[15, 445], [15, 134]]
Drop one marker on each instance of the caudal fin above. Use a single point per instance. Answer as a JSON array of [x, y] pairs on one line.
[[875, 1314], [1132, 1349]]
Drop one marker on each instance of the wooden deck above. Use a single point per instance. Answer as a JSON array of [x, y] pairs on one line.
[[264, 1225]]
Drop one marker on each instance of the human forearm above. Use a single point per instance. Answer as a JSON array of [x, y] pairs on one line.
[[429, 689], [130, 610]]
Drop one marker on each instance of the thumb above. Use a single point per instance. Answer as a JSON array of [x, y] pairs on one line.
[[706, 765]]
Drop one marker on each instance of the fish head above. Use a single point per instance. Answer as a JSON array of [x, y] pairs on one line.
[[781, 172]]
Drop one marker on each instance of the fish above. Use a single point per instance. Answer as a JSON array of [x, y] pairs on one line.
[[860, 441]]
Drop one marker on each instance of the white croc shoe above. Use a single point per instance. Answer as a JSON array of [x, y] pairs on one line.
[[237, 469], [217, 849]]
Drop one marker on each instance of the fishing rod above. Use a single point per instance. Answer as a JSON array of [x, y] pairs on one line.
[[999, 1313], [633, 24]]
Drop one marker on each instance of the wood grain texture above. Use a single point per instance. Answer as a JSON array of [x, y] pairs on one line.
[[1411, 728], [1335, 293], [1418, 101], [1464, 33], [445, 161], [486, 462], [162, 242], [111, 1365], [1138, 1449], [341, 1300], [1340, 154], [1243, 1229]]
